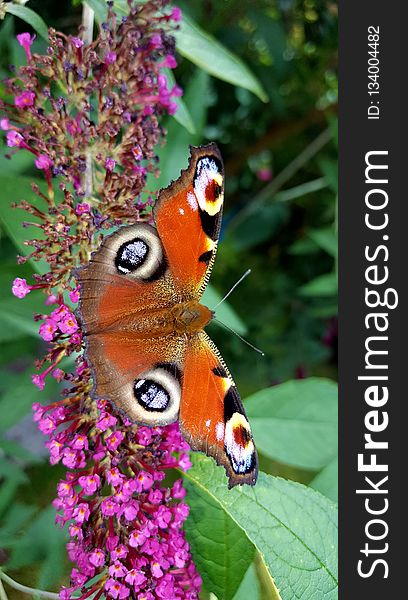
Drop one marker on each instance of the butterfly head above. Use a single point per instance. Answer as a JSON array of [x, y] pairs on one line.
[[191, 316]]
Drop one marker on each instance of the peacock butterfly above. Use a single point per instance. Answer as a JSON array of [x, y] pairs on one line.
[[143, 323]]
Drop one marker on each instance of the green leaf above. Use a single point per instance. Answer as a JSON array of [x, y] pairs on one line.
[[16, 314], [174, 155], [21, 161], [19, 395], [222, 551], [17, 517], [101, 10], [30, 17], [329, 168], [257, 229], [14, 450], [207, 53], [293, 528], [296, 422], [42, 541], [325, 238], [249, 587], [12, 190], [182, 114], [326, 482], [321, 286]]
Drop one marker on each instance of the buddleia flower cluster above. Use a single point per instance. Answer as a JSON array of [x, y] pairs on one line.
[[89, 114]]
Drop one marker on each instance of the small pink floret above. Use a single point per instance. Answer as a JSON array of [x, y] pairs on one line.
[[38, 380], [20, 287], [176, 14], [47, 330], [169, 62], [77, 42], [14, 139], [110, 164], [74, 295], [25, 40], [264, 174], [68, 324], [25, 99], [43, 162], [110, 58], [82, 208]]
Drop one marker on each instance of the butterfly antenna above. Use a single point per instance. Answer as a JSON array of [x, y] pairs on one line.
[[232, 289], [239, 336]]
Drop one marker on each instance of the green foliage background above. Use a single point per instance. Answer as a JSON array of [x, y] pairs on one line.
[[260, 80]]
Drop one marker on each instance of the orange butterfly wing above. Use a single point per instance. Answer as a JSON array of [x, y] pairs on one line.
[[141, 360], [124, 305], [188, 218], [212, 418]]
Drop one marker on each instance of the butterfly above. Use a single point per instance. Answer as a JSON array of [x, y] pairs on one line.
[[144, 325]]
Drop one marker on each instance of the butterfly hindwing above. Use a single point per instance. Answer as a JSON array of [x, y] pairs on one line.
[[212, 417], [125, 291], [188, 218]]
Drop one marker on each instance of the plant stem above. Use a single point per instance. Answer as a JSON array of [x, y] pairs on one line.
[[3, 595], [301, 190], [25, 589], [88, 17]]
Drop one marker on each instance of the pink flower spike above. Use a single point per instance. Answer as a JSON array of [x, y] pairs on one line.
[[25, 40], [20, 287], [4, 124], [14, 139], [43, 162], [25, 99], [176, 14]]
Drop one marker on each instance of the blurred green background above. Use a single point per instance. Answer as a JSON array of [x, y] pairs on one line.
[[280, 221]]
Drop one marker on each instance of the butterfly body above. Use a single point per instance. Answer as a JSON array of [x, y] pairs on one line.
[[144, 324]]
